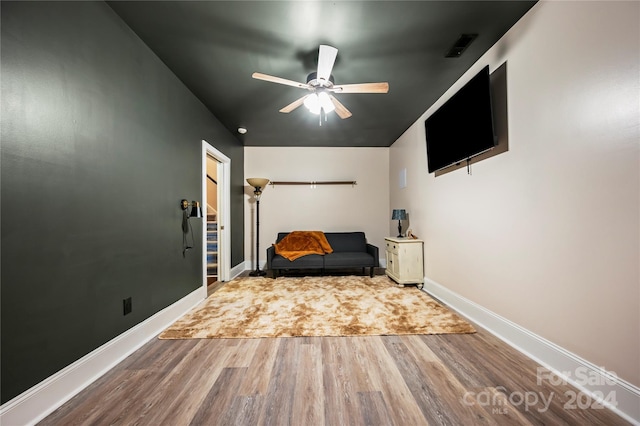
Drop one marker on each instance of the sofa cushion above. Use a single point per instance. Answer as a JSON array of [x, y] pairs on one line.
[[309, 261], [355, 259], [347, 241]]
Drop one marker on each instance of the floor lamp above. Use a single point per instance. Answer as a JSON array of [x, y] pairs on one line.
[[258, 184]]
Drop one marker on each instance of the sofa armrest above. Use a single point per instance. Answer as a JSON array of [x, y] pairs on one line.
[[271, 252], [373, 251]]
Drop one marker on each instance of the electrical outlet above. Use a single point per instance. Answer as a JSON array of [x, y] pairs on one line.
[[126, 306]]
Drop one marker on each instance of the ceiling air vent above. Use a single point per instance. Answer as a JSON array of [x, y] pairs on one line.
[[460, 45]]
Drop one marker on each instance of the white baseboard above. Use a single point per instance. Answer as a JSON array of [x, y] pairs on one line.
[[549, 355], [237, 270], [41, 400], [249, 265]]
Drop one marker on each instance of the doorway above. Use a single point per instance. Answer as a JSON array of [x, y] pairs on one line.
[[211, 209], [216, 250]]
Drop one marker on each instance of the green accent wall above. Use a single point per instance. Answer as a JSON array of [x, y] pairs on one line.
[[100, 141]]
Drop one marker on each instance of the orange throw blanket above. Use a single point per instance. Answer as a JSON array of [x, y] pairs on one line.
[[301, 243]]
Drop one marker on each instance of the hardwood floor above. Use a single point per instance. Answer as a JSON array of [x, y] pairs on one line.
[[377, 380]]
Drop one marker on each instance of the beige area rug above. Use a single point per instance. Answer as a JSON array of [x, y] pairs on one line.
[[315, 306]]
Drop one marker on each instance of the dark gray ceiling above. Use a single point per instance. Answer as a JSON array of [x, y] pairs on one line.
[[215, 46]]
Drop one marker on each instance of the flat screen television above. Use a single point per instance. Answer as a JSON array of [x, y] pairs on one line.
[[463, 126]]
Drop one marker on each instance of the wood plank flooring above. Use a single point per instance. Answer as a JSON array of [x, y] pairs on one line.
[[471, 379]]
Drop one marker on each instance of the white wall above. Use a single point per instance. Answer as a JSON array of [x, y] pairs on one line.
[[547, 234], [363, 207]]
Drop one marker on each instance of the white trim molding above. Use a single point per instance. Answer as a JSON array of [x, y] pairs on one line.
[[249, 265], [563, 366], [41, 400], [224, 212], [237, 270]]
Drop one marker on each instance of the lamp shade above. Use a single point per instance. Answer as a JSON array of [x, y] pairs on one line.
[[325, 102], [313, 103], [399, 214], [258, 182], [319, 101]]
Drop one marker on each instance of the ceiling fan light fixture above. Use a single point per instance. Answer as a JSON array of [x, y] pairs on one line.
[[314, 81], [321, 85], [312, 103], [316, 102], [325, 102]]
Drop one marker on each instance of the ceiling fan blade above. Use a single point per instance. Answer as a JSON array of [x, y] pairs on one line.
[[326, 59], [362, 88], [266, 77], [293, 105], [341, 110]]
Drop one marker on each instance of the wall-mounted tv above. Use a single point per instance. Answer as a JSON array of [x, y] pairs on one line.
[[463, 126]]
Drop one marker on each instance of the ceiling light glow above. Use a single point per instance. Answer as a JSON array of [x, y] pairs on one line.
[[312, 103], [319, 101], [325, 102]]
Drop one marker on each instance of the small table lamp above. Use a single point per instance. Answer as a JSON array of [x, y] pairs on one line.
[[399, 215]]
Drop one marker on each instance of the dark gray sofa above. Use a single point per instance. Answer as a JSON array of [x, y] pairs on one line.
[[350, 250]]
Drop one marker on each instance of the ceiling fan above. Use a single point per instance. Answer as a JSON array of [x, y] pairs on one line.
[[321, 85]]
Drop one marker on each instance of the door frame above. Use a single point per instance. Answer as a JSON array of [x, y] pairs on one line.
[[224, 213]]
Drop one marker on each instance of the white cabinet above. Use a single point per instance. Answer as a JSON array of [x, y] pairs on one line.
[[405, 260]]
